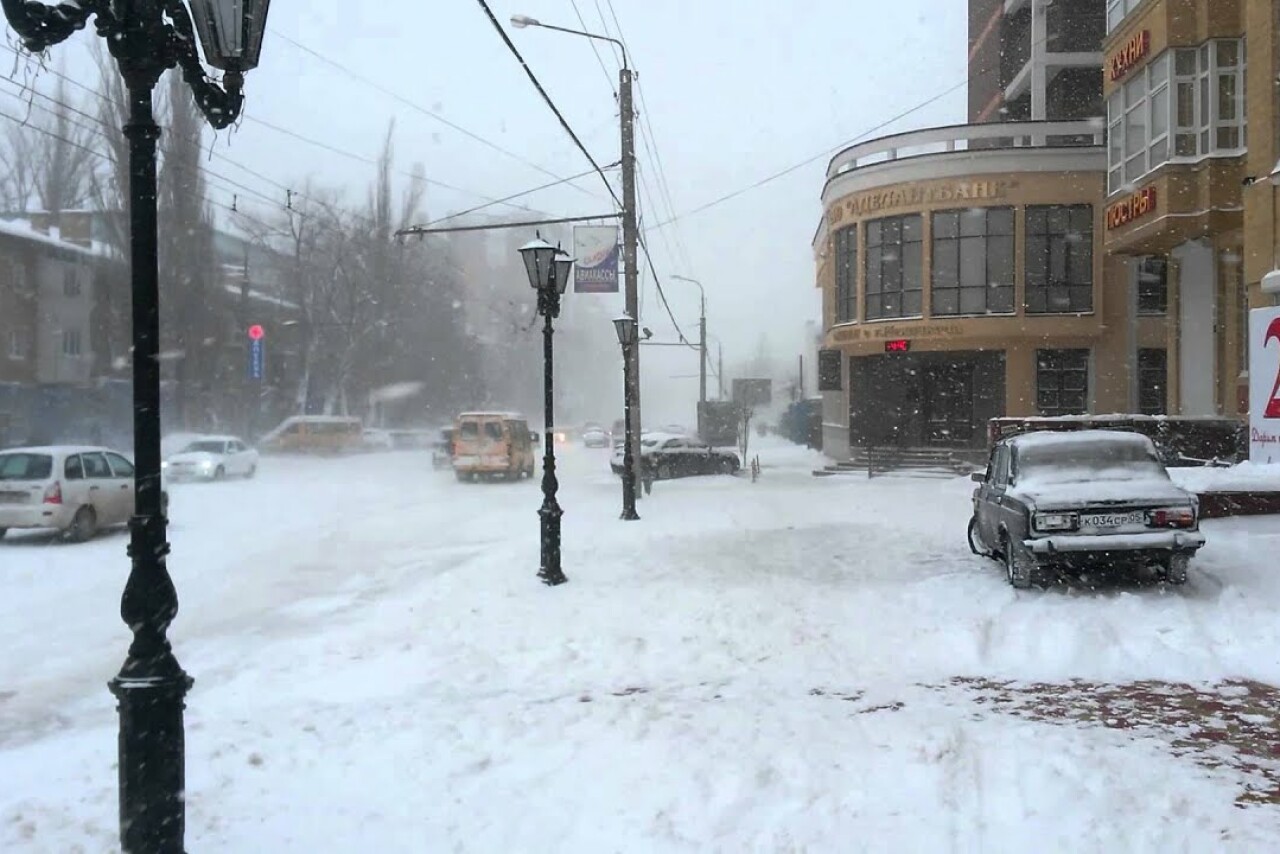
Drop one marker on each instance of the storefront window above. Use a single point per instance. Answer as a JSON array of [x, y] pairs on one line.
[[1059, 259], [893, 267], [1198, 103], [1153, 285], [1153, 371], [1062, 382], [973, 269], [846, 260]]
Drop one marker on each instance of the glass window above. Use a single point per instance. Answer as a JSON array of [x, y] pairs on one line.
[[73, 470], [1059, 245], [95, 466], [119, 465], [17, 345], [1062, 382], [71, 282], [1153, 285], [973, 268], [1117, 10], [893, 267], [1152, 381], [493, 430], [25, 466], [846, 260]]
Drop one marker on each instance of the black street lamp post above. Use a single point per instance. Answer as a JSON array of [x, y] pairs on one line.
[[626, 328], [148, 37], [548, 268]]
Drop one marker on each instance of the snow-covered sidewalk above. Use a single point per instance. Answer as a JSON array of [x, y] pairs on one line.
[[794, 664]]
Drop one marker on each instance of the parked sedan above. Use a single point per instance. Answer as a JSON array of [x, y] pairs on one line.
[[664, 456], [71, 489], [213, 458], [1097, 498]]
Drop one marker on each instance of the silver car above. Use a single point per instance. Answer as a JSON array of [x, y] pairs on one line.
[[76, 490]]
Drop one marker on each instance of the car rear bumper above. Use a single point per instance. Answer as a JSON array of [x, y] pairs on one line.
[[481, 463], [1155, 543], [56, 516]]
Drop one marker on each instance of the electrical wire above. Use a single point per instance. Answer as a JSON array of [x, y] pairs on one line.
[[547, 98], [594, 49]]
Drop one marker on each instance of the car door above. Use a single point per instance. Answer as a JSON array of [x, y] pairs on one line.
[[699, 457], [126, 489], [237, 458], [75, 488], [991, 496], [103, 490]]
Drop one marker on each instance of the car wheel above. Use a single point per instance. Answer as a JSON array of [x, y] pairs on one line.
[[1018, 568], [975, 539], [728, 466], [253, 470], [83, 525], [1175, 569], [219, 473]]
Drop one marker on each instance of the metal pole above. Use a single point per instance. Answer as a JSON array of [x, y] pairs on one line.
[[630, 238], [720, 370], [550, 512], [151, 686], [629, 513], [702, 353]]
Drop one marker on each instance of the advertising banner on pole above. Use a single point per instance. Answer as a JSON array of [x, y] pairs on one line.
[[596, 249], [1264, 385]]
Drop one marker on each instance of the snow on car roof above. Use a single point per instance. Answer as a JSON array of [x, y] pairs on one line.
[[58, 449], [1077, 437], [512, 416]]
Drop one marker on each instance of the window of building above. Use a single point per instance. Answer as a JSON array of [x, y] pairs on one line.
[[15, 275], [1059, 259], [1153, 285], [71, 342], [846, 260], [71, 282], [1186, 104], [893, 267], [1062, 382], [1153, 379], [973, 269], [17, 345], [1117, 10], [829, 376]]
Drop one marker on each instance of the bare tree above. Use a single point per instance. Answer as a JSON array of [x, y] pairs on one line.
[[18, 157], [65, 161]]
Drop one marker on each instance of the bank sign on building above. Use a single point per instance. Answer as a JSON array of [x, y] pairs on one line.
[[1264, 385]]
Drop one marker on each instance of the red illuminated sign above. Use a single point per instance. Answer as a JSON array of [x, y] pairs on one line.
[[1134, 207], [897, 345], [1129, 55], [256, 332]]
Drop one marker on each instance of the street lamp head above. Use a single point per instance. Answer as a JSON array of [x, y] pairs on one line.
[[539, 257], [231, 32], [626, 329], [564, 264], [522, 21]]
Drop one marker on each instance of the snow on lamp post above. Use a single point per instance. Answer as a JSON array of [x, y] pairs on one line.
[[548, 269], [147, 38], [627, 330]]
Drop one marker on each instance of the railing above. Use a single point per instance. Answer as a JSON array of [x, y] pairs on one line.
[[976, 137]]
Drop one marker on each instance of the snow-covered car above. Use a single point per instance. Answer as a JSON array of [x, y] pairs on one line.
[[372, 439], [664, 456], [76, 490], [595, 437], [213, 458], [1095, 498]]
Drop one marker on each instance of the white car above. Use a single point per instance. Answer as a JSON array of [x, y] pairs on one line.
[[213, 458], [73, 489]]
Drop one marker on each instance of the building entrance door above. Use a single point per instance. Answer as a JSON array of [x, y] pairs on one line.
[[948, 403]]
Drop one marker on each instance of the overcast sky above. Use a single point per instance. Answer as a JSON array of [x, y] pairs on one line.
[[733, 91]]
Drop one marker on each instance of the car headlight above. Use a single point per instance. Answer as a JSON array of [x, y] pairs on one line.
[[1056, 521], [207, 464]]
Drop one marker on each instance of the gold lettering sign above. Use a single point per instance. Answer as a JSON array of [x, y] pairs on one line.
[[910, 196], [1135, 207], [880, 332]]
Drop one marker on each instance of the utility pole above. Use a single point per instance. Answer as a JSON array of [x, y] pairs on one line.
[[630, 239], [702, 352], [720, 370]]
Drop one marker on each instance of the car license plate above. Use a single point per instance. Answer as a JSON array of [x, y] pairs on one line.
[[1111, 520], [12, 497]]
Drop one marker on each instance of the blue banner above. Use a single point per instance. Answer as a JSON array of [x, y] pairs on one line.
[[256, 359], [595, 268]]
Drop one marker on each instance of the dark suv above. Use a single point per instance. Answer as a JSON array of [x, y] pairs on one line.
[[1082, 499]]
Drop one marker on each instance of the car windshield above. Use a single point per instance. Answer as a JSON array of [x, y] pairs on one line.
[[1086, 461], [206, 446], [25, 466]]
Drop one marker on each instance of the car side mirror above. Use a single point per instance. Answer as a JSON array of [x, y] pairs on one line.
[[978, 477]]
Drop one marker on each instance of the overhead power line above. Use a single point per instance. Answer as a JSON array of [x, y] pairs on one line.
[[547, 98]]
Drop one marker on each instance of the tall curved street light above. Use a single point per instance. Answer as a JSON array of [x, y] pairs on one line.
[[548, 269], [630, 230], [702, 337], [148, 37]]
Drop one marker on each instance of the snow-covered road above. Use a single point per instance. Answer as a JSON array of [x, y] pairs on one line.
[[765, 666]]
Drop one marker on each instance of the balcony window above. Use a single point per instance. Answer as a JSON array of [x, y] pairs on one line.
[[1118, 10], [1186, 104], [1059, 244], [846, 261], [973, 268], [893, 267]]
